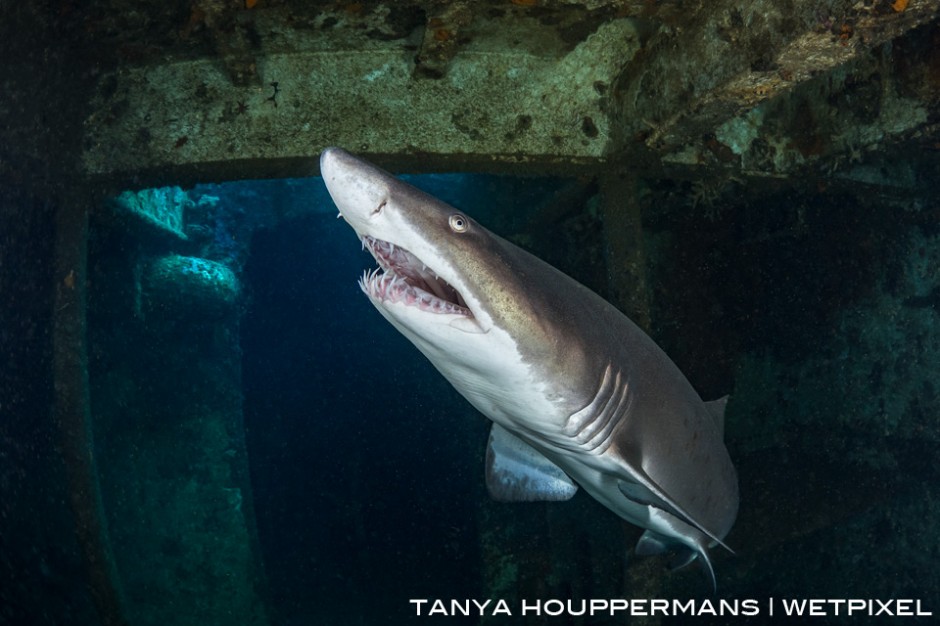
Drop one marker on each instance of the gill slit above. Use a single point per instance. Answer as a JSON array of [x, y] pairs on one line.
[[591, 429]]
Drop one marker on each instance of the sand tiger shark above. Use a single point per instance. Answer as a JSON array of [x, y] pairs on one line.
[[578, 395]]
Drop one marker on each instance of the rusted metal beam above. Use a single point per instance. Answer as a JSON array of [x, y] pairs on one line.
[[72, 413], [688, 108]]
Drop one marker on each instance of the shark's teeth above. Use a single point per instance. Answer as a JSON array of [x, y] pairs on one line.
[[389, 287], [398, 279], [402, 277]]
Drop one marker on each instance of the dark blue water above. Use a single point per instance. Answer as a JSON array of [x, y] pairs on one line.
[[358, 449]]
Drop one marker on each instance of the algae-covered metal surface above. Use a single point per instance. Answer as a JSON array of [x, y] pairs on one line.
[[351, 77]]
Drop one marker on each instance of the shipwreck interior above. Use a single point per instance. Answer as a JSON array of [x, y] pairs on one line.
[[202, 421]]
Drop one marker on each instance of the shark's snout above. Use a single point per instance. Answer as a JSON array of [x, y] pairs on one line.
[[331, 160], [359, 189]]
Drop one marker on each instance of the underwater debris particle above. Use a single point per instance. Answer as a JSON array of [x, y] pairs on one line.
[[899, 5]]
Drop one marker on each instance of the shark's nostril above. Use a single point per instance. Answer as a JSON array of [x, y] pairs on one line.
[[379, 208]]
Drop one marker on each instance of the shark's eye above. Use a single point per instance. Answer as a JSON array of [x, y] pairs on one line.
[[379, 208], [458, 223]]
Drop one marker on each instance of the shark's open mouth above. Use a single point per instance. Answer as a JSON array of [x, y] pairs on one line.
[[402, 277]]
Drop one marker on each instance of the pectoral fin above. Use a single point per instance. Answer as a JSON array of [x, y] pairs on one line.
[[517, 472]]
